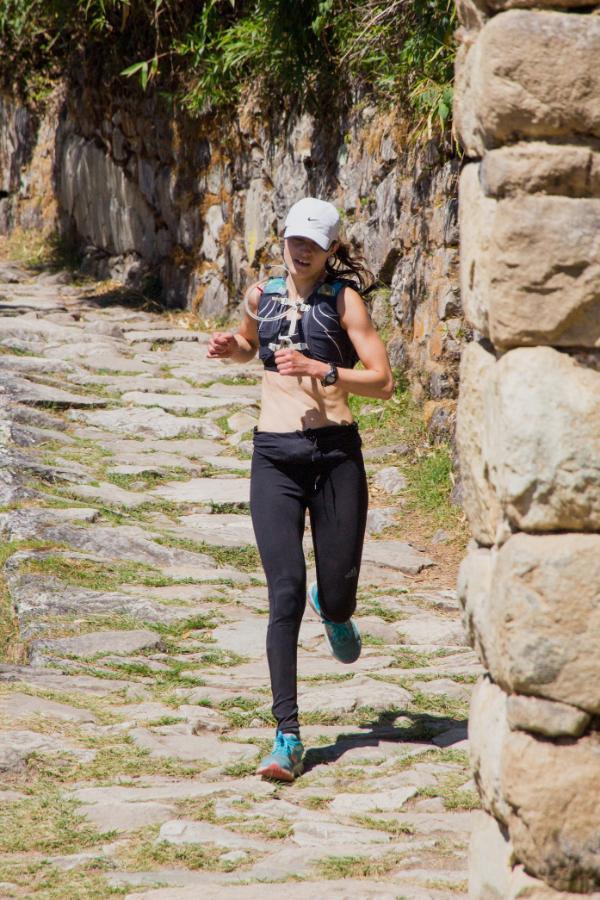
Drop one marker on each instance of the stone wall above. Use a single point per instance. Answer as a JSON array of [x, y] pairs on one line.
[[200, 205], [528, 433]]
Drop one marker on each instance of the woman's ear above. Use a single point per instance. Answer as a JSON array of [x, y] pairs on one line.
[[333, 247]]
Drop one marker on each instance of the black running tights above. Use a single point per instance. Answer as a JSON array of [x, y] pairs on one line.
[[321, 470]]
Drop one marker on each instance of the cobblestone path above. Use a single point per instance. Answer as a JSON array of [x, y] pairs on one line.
[[134, 698]]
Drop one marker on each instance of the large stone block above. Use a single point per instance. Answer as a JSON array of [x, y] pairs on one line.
[[547, 717], [537, 167], [473, 14], [544, 617], [474, 594], [522, 886], [479, 500], [498, 5], [553, 792], [488, 731], [509, 85], [490, 859], [542, 440], [476, 222], [530, 265]]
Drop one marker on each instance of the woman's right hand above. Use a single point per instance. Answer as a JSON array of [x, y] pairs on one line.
[[221, 345]]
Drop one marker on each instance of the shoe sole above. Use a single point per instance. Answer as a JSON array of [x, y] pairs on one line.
[[277, 773]]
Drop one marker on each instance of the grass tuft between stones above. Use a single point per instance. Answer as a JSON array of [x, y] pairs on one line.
[[333, 867], [244, 557], [46, 822]]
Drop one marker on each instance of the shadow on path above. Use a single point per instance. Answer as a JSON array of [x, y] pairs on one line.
[[423, 730]]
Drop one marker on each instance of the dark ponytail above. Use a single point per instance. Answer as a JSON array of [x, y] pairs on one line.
[[348, 262]]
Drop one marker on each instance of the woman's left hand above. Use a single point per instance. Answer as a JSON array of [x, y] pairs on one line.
[[292, 362]]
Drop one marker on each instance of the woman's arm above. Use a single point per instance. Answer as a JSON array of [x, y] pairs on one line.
[[241, 346], [375, 380]]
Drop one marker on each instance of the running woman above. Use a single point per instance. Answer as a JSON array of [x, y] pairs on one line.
[[310, 328]]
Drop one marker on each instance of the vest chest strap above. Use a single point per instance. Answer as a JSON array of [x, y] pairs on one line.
[[286, 343], [298, 304]]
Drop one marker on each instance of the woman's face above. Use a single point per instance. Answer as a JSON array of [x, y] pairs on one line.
[[305, 258]]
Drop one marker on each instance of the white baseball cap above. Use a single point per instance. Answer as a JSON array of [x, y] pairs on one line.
[[315, 219]]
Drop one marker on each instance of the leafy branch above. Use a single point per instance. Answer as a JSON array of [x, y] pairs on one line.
[[207, 54]]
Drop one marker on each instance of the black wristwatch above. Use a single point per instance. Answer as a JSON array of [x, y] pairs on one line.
[[330, 377]]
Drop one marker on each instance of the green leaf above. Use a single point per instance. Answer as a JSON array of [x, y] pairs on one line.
[[131, 70]]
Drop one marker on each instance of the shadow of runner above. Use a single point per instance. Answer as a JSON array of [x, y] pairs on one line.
[[424, 729]]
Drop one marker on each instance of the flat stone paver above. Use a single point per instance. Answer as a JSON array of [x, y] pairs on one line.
[[20, 706], [207, 490], [184, 403], [397, 555], [136, 686], [139, 420], [224, 530], [207, 747], [100, 643]]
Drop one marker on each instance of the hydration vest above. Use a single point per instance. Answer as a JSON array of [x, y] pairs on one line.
[[319, 334]]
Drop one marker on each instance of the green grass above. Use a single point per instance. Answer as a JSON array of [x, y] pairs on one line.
[[46, 822], [174, 676], [36, 878], [224, 658], [374, 608], [333, 867], [245, 703], [117, 756], [143, 512], [389, 825], [12, 648], [182, 628], [274, 829], [241, 769], [454, 798], [143, 481], [15, 351], [244, 557], [146, 853], [371, 640], [61, 497], [222, 422], [439, 703], [242, 380], [316, 802], [427, 466], [410, 659], [105, 576], [240, 509], [331, 677], [38, 249], [431, 482]]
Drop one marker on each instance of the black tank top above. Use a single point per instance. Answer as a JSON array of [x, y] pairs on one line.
[[319, 334]]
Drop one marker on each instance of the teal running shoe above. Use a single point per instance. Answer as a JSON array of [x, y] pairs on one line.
[[284, 762], [343, 637]]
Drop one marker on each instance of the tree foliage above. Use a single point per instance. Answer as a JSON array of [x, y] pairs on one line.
[[206, 54]]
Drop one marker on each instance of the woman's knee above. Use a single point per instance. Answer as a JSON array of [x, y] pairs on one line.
[[338, 606], [287, 599]]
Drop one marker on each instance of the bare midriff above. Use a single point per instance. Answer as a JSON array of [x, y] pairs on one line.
[[293, 403]]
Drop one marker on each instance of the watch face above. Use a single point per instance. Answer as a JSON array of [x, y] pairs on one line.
[[331, 377]]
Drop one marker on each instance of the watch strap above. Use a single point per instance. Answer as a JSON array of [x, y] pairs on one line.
[[330, 377]]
